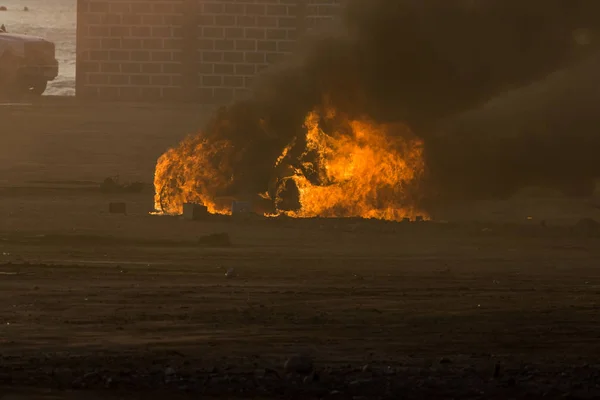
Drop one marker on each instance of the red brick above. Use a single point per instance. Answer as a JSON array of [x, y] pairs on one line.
[[98, 30], [119, 55], [109, 44], [171, 68], [162, 8], [255, 33], [233, 56], [98, 55], [206, 68], [245, 45], [253, 57], [110, 68], [234, 8], [225, 20], [276, 34], [131, 19], [172, 44], [287, 22], [111, 19], [87, 66], [265, 22], [223, 44], [212, 56], [97, 79], [162, 31], [153, 44], [140, 56], [233, 81], [212, 80], [141, 8], [140, 80], [161, 55], [213, 8], [131, 44], [277, 10], [266, 45], [141, 31], [131, 68], [99, 7], [234, 33], [225, 69], [151, 19], [120, 31], [245, 69], [149, 68], [256, 9], [212, 32], [120, 7], [119, 79], [206, 44], [161, 80], [245, 20]]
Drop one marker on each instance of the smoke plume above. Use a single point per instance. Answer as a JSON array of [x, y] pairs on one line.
[[431, 66]]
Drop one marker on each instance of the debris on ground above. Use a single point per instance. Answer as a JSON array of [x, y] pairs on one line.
[[231, 273]]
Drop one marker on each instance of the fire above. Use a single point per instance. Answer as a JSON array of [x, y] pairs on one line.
[[193, 172], [346, 168], [369, 170]]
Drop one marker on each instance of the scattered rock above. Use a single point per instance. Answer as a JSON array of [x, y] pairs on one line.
[[231, 273], [3, 8], [366, 368], [299, 365]]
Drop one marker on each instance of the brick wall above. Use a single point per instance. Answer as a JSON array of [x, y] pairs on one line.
[[206, 51]]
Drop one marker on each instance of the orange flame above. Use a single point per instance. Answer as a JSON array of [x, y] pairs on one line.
[[369, 172], [192, 173], [363, 169]]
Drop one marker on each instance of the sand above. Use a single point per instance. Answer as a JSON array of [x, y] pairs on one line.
[[132, 305]]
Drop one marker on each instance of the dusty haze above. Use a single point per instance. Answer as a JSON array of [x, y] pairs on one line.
[[423, 64]]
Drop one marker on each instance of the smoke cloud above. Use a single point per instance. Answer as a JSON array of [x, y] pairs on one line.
[[434, 66]]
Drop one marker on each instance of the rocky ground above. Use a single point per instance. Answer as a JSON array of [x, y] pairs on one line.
[[103, 305]]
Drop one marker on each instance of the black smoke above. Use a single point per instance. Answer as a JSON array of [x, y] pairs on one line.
[[426, 63]]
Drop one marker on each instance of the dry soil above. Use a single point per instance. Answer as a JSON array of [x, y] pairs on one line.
[[97, 304]]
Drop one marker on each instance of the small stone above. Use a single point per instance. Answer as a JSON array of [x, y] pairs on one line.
[[299, 365], [366, 368], [231, 273]]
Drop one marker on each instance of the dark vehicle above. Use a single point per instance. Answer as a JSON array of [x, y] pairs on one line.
[[27, 63]]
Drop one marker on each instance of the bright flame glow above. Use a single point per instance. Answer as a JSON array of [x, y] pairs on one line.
[[361, 169], [366, 172]]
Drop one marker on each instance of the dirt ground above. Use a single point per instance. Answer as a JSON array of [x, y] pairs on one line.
[[135, 306]]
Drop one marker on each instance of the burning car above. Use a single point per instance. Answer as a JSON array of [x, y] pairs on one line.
[[27, 64]]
